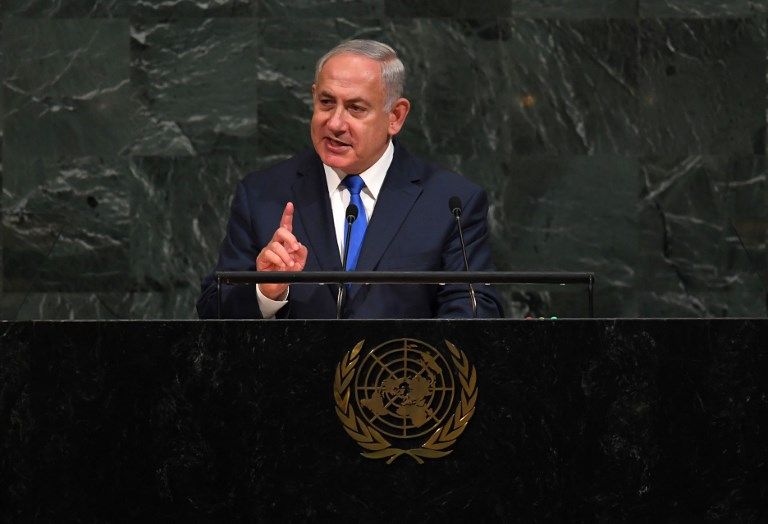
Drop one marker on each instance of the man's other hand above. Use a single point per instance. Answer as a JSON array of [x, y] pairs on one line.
[[283, 253]]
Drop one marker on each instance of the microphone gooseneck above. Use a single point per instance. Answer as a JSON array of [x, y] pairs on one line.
[[454, 204], [351, 216]]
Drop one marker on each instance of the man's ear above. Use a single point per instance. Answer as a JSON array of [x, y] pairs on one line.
[[314, 88], [397, 116]]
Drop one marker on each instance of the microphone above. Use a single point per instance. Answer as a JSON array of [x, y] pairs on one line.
[[350, 216], [454, 204]]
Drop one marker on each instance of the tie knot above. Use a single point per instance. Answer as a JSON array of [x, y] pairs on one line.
[[354, 183]]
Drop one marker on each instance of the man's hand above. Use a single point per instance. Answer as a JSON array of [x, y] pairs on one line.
[[283, 253]]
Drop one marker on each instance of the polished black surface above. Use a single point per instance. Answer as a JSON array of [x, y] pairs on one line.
[[584, 420]]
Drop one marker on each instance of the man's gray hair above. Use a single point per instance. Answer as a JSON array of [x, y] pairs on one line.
[[392, 69]]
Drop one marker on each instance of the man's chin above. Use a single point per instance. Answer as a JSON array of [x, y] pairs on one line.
[[336, 161]]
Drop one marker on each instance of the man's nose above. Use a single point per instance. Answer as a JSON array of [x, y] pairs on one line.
[[338, 121]]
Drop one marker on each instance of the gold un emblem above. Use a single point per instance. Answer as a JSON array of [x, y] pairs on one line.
[[402, 392]]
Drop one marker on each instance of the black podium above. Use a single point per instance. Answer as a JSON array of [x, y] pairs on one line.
[[578, 420]]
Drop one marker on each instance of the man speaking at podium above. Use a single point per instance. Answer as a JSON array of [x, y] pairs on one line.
[[293, 216]]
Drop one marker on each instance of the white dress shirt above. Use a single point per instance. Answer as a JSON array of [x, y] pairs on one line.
[[339, 196]]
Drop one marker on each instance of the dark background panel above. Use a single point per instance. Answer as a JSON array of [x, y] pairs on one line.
[[573, 86], [623, 137], [199, 78], [288, 9], [569, 214], [2, 127], [448, 9], [70, 9], [701, 82], [186, 222], [575, 420], [569, 9], [703, 236], [699, 8]]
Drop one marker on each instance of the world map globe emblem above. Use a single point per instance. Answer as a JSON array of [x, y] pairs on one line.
[[404, 388]]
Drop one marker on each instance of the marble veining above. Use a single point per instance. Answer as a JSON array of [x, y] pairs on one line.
[[624, 137]]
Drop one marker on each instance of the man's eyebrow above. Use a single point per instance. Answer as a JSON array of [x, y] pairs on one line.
[[359, 100], [356, 100]]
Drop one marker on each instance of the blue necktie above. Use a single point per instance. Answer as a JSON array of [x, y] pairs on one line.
[[355, 184]]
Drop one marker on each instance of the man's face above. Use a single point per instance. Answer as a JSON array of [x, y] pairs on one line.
[[350, 126]]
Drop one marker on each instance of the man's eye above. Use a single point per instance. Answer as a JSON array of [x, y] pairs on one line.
[[357, 109], [326, 101]]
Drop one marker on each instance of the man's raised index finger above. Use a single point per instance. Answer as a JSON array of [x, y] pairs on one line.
[[286, 220]]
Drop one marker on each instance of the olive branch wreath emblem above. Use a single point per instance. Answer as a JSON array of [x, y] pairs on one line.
[[367, 437]]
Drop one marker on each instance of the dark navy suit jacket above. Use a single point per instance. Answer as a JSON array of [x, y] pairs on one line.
[[411, 229]]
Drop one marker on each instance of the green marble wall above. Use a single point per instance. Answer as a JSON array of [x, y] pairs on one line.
[[623, 137]]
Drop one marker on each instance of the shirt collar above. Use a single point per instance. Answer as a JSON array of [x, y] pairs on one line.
[[373, 176]]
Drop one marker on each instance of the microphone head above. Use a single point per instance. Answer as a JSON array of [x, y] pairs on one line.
[[351, 213], [454, 204]]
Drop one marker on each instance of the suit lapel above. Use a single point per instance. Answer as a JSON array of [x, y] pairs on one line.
[[396, 198], [314, 210]]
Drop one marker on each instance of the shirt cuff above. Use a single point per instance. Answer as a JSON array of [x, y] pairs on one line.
[[267, 306]]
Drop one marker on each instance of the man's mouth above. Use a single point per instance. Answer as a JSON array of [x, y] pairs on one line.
[[335, 143]]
